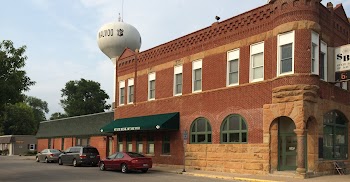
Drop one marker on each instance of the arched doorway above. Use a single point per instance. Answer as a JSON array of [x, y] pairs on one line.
[[287, 144]]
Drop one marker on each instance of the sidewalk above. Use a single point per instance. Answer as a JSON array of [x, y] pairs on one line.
[[250, 177]]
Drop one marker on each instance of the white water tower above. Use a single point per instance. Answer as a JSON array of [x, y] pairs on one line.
[[113, 38]]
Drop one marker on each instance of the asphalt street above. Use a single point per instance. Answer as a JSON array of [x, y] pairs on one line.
[[19, 170]]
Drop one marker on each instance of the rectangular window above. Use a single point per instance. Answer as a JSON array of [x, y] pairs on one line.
[[197, 76], [151, 86], [323, 61], [344, 85], [232, 67], [129, 142], [120, 143], [139, 143], [178, 80], [121, 92], [62, 144], [31, 146], [130, 91], [285, 62], [315, 53], [150, 144], [257, 62], [83, 141], [166, 144], [49, 143]]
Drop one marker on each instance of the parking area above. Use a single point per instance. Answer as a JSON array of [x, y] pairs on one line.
[[18, 169]]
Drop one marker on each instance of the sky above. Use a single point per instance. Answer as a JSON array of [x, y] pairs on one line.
[[61, 36]]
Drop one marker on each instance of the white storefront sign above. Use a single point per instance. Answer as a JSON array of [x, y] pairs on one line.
[[342, 58], [127, 129]]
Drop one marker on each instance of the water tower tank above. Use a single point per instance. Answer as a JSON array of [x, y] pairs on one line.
[[113, 38]]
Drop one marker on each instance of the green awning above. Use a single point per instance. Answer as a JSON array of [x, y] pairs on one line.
[[168, 121]]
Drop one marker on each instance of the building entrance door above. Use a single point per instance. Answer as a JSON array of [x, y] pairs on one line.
[[287, 144], [287, 151]]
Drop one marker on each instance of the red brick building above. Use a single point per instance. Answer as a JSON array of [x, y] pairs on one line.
[[255, 93], [79, 130]]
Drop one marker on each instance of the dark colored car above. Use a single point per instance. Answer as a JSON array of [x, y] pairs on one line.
[[126, 161], [48, 155], [80, 155]]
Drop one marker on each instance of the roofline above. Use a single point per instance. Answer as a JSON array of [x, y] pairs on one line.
[[14, 135], [202, 29], [76, 117]]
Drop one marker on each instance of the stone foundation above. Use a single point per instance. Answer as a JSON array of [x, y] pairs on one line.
[[235, 158]]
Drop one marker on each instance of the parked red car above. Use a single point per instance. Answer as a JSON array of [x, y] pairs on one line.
[[126, 161]]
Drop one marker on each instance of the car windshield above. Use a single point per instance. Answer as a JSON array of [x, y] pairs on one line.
[[54, 151], [133, 155], [90, 150]]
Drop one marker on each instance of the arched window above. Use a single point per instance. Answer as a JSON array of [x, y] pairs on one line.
[[200, 131], [234, 130], [335, 141]]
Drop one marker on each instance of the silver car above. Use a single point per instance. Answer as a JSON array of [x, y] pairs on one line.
[[48, 155]]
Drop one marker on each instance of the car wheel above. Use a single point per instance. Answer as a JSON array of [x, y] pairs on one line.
[[124, 168], [37, 159], [144, 170], [102, 166], [46, 160], [75, 164], [60, 161]]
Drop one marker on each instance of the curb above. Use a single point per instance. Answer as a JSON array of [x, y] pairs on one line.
[[228, 178]]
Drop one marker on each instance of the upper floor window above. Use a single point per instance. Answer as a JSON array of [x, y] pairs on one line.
[[257, 62], [121, 92], [323, 61], [200, 131], [285, 50], [232, 67], [152, 86], [178, 80], [315, 53], [234, 130], [130, 91], [197, 76]]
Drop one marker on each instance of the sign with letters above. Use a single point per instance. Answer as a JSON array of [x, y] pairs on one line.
[[127, 129], [342, 63]]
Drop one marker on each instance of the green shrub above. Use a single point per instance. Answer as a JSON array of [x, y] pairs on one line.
[[31, 153]]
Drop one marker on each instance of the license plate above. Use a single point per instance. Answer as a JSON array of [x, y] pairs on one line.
[[92, 156], [145, 165]]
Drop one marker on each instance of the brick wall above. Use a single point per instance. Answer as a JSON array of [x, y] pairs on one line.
[[42, 144], [100, 143], [216, 101]]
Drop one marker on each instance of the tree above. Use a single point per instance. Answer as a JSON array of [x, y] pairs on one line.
[[39, 109], [83, 97], [58, 115], [18, 120], [13, 80]]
